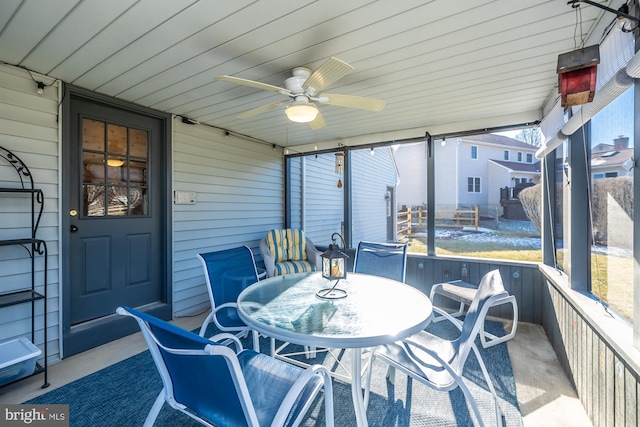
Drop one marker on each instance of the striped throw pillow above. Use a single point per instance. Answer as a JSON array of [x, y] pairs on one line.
[[297, 245], [278, 244]]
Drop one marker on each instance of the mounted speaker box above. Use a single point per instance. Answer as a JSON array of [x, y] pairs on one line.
[[577, 71]]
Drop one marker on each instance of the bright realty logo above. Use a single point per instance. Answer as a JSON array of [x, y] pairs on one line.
[[36, 415]]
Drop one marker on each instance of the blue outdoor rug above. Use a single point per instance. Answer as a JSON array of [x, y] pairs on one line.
[[122, 394]]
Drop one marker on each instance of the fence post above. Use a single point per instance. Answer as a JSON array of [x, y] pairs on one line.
[[477, 218], [409, 218]]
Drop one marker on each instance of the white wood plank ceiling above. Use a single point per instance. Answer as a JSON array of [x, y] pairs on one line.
[[441, 66]]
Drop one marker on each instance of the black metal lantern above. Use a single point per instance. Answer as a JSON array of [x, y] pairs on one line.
[[334, 267]]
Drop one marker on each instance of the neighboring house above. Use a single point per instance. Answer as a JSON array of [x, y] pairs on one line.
[[510, 174], [483, 164], [412, 163], [611, 161]]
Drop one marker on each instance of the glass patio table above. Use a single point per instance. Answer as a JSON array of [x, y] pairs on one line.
[[375, 311]]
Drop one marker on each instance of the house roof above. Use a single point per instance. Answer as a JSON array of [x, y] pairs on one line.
[[441, 67], [611, 158], [489, 138], [519, 167]]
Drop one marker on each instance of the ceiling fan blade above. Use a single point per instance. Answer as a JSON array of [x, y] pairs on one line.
[[360, 102], [260, 110], [329, 72], [318, 122], [251, 83]]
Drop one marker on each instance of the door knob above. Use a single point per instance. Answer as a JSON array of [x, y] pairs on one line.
[[74, 228]]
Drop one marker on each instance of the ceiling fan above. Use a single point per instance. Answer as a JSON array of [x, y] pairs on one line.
[[304, 88]]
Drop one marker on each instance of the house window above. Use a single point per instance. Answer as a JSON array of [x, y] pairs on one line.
[[529, 158], [474, 152], [473, 184], [506, 154], [605, 175], [519, 156]]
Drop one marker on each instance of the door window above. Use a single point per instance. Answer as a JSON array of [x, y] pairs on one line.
[[115, 161]]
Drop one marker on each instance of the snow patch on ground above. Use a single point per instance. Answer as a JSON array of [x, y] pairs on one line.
[[517, 234]]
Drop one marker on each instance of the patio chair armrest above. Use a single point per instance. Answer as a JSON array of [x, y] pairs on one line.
[[267, 258], [297, 387], [224, 336], [313, 254], [225, 305], [441, 312]]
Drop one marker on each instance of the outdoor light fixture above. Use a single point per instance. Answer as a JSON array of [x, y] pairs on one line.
[[301, 112], [334, 267], [40, 89]]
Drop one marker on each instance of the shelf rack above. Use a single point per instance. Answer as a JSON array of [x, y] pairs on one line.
[[34, 247]]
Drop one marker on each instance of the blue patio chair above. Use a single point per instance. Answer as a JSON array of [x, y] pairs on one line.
[[437, 362], [381, 259], [216, 386], [228, 272]]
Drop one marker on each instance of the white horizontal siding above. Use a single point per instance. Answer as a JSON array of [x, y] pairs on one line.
[[239, 196], [29, 129], [322, 212], [371, 175]]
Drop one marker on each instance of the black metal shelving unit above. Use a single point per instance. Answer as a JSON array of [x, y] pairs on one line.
[[35, 248]]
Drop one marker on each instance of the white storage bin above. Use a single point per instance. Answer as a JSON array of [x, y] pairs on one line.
[[17, 359]]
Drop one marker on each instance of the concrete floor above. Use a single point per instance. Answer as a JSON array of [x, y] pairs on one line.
[[545, 394]]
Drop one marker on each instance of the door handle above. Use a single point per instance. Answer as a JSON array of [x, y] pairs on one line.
[[74, 228]]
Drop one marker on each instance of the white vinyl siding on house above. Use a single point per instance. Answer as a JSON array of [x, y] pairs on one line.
[[29, 129], [321, 212], [369, 207], [239, 196]]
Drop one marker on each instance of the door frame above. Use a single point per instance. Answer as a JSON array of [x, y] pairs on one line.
[[94, 333]]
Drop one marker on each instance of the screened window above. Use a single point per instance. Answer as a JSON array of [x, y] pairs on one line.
[[382, 195], [519, 156], [529, 158], [376, 215], [316, 196], [612, 204]]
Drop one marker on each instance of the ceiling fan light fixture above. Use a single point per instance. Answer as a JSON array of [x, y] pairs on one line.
[[302, 112]]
